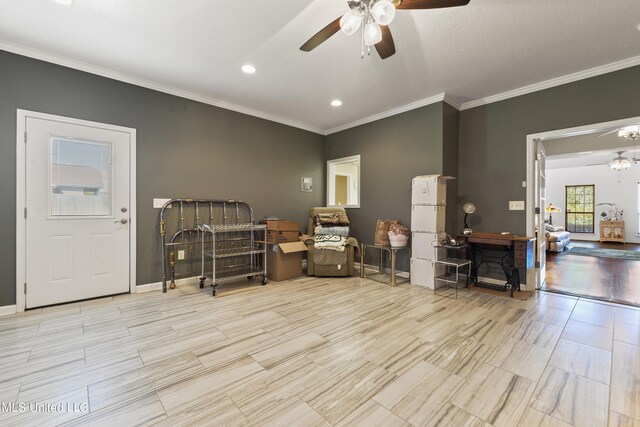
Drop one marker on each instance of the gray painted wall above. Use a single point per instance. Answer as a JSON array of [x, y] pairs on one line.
[[188, 149], [450, 125], [492, 160], [184, 149], [393, 151]]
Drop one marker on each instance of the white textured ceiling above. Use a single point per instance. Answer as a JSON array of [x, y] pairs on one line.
[[198, 46], [593, 158], [597, 147]]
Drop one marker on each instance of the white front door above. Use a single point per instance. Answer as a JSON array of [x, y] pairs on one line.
[[541, 203], [78, 211]]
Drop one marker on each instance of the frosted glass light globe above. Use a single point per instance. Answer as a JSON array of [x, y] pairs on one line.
[[383, 12], [350, 21], [372, 34]]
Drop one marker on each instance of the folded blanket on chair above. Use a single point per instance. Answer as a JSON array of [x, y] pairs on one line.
[[331, 231], [332, 219], [333, 242]]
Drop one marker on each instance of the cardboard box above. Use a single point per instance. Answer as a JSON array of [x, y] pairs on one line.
[[277, 236], [284, 260], [282, 225], [282, 231]]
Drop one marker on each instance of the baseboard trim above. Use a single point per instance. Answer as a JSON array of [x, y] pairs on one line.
[[8, 309], [158, 285], [406, 275], [491, 280], [399, 273], [494, 281]]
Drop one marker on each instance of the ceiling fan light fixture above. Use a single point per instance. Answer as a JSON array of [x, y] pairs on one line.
[[630, 133], [372, 34], [383, 12], [350, 21], [620, 163]]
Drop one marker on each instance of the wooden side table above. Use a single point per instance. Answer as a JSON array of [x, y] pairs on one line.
[[612, 231], [392, 250]]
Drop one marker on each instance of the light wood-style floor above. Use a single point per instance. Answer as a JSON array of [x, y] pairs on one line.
[[325, 352]]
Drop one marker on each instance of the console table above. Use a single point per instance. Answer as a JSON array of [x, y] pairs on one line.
[[392, 250], [612, 231], [518, 253]]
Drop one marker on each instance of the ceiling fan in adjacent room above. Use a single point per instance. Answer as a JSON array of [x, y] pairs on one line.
[[630, 133], [618, 163], [374, 16]]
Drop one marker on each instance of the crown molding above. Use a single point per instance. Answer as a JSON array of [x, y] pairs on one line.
[[569, 78], [449, 99], [137, 81], [403, 108], [443, 97]]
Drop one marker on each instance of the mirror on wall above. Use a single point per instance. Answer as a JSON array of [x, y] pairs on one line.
[[343, 182]]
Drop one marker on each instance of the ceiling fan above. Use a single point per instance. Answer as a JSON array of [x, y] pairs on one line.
[[374, 16], [627, 132], [618, 163]]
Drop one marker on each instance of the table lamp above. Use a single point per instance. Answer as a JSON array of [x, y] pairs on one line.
[[468, 208], [552, 209]]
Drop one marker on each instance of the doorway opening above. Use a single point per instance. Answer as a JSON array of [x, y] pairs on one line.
[[585, 198]]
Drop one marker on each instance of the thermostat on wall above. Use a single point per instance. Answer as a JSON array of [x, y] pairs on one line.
[[306, 184]]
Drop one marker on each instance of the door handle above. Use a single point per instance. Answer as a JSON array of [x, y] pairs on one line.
[[121, 221]]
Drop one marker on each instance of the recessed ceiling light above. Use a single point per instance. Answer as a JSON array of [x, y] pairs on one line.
[[336, 103], [64, 2], [249, 69]]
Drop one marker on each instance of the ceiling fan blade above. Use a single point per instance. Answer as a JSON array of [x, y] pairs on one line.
[[321, 36], [598, 164], [386, 47], [428, 4]]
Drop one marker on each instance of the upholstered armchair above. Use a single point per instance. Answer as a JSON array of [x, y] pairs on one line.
[[328, 262]]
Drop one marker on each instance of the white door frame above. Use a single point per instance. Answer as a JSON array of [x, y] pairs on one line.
[[531, 157], [21, 223]]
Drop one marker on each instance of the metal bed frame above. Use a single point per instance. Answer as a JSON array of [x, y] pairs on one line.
[[228, 253]]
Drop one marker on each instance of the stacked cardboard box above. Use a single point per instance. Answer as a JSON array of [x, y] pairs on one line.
[[284, 251]]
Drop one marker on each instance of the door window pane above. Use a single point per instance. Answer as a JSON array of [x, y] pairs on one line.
[[80, 178]]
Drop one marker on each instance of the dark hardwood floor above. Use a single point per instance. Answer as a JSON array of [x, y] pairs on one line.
[[607, 279]]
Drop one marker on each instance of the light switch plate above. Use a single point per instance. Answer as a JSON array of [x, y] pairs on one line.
[[159, 203], [517, 205]]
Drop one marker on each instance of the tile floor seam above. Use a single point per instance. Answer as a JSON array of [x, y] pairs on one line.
[[166, 414], [546, 366], [314, 410], [579, 375], [392, 411], [235, 404], [454, 392]]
